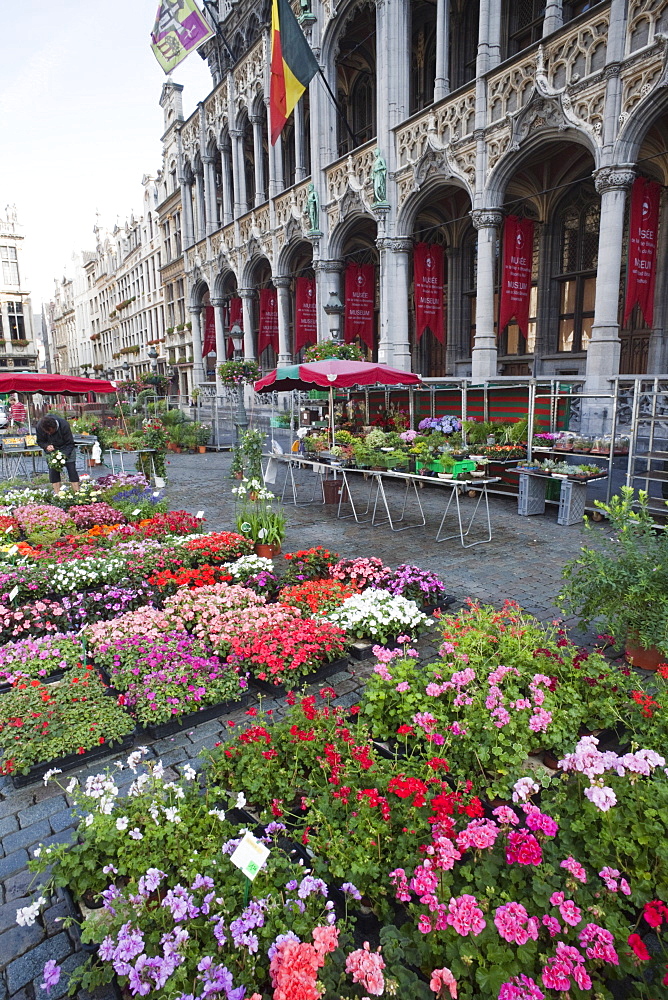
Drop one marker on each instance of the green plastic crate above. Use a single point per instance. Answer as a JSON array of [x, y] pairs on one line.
[[466, 465]]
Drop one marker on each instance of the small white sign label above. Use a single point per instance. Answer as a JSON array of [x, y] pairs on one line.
[[199, 515], [250, 856], [137, 511], [13, 593]]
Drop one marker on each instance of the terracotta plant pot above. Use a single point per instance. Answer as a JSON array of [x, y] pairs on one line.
[[264, 551], [647, 659], [201, 449], [275, 550], [238, 475]]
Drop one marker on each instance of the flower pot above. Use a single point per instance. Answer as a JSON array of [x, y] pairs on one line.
[[264, 551], [201, 449], [238, 475], [638, 656], [275, 549]]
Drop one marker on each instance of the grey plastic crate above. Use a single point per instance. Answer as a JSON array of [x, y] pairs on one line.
[[572, 502], [531, 496]]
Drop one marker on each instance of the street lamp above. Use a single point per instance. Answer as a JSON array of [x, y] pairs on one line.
[[237, 335], [240, 417], [334, 308]]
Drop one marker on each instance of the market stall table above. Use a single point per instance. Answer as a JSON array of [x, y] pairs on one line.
[[572, 494]]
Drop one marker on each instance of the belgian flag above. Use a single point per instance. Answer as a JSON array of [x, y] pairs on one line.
[[293, 65]]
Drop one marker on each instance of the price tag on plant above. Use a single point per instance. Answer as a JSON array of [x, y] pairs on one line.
[[13, 593], [250, 856], [135, 512], [199, 515]]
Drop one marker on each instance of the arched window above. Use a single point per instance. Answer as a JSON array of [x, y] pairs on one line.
[[423, 54], [363, 103], [524, 24], [464, 16], [249, 163], [469, 289], [356, 79], [578, 260], [288, 151]]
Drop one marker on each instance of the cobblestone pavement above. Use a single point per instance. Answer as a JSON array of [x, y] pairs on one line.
[[523, 561]]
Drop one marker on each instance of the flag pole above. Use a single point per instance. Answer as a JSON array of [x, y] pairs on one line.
[[219, 30], [338, 107]]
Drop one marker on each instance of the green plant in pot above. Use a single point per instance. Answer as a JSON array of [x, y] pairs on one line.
[[362, 454], [261, 519], [251, 447], [623, 582]]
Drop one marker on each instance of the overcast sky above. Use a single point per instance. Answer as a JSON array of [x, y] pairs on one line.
[[80, 122]]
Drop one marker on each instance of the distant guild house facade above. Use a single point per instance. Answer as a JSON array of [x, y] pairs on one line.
[[462, 112], [18, 351]]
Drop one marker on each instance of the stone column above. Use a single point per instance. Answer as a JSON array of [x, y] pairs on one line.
[[247, 295], [228, 195], [554, 16], [328, 278], [283, 286], [238, 174], [221, 353], [657, 355], [604, 348], [210, 194], [187, 201], [487, 222], [394, 347], [300, 167], [198, 367], [279, 179], [260, 192], [393, 40], [442, 81]]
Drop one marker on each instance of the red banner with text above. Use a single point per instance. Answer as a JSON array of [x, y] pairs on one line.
[[235, 315], [209, 331], [516, 274], [360, 296], [643, 227], [428, 280], [306, 313], [268, 330]]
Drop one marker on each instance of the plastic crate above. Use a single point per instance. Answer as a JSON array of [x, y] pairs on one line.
[[466, 465], [531, 495], [572, 502]]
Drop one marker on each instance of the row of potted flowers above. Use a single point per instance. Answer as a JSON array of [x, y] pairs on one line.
[[558, 890]]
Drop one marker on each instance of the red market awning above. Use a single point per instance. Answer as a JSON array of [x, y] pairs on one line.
[[333, 374], [53, 385]]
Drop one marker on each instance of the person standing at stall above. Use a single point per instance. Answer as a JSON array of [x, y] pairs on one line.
[[17, 412], [55, 434]]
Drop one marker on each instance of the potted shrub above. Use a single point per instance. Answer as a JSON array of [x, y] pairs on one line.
[[202, 435], [623, 582]]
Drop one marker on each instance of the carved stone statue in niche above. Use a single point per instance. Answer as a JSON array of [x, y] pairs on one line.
[[379, 176], [313, 209]]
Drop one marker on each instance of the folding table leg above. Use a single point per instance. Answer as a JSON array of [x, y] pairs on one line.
[[346, 490]]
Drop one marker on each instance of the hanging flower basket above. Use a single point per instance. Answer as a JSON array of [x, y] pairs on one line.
[[238, 372]]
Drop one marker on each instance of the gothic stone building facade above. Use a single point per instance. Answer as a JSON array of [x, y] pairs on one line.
[[479, 108]]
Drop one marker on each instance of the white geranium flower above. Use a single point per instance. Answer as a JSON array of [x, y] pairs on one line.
[[122, 823]]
